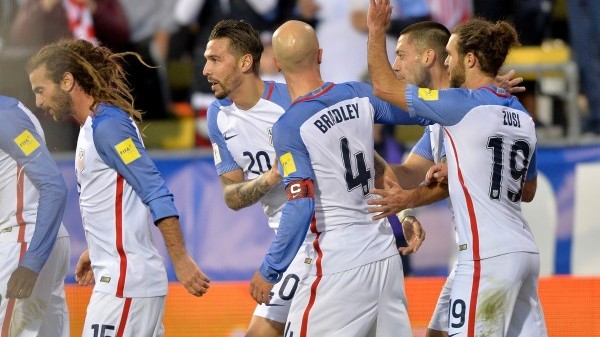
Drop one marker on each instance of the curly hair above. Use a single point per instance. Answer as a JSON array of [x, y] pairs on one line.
[[96, 69], [490, 42]]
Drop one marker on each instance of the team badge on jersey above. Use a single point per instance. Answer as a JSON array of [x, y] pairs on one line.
[[127, 151], [287, 162], [428, 94], [27, 142]]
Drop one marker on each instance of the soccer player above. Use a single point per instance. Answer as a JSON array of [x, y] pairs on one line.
[[353, 284], [490, 145], [121, 192], [34, 244], [240, 123]]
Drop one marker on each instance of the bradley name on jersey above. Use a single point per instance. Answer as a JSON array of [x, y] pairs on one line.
[[337, 115]]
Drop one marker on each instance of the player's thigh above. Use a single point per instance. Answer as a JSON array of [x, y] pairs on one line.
[[340, 304], [438, 325], [8, 263], [392, 313], [264, 327], [52, 278], [108, 315], [281, 295], [490, 288], [528, 317]]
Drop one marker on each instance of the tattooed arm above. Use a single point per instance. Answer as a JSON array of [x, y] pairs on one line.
[[240, 193]]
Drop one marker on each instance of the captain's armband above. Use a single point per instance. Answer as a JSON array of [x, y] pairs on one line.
[[300, 189]]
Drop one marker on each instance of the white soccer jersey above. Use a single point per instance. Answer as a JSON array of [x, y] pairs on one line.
[[242, 139], [489, 150], [339, 159], [121, 194]]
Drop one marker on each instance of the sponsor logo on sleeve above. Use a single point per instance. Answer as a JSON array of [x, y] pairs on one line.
[[127, 151], [27, 142], [428, 94], [287, 162]]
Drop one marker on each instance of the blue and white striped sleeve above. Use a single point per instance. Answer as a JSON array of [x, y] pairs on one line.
[[224, 161]]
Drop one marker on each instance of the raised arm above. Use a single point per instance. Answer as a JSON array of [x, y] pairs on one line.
[[385, 84]]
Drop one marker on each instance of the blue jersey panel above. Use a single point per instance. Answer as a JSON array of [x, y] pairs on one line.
[[113, 126]]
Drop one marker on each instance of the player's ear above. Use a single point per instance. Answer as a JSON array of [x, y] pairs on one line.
[[246, 62], [67, 83], [428, 57], [470, 60], [320, 55]]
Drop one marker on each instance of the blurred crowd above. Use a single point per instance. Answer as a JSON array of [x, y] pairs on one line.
[[171, 36]]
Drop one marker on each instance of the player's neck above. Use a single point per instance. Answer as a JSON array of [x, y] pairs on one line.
[[301, 84], [477, 79], [248, 93], [82, 104]]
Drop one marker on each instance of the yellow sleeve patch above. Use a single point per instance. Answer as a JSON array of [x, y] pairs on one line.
[[428, 94], [27, 142], [127, 151], [287, 161]]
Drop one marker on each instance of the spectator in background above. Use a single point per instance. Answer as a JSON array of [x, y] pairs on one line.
[[151, 23], [584, 28]]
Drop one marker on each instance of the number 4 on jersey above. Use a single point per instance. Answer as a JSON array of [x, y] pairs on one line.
[[363, 173]]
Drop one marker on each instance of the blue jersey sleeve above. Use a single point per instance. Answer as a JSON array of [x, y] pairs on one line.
[[297, 213], [113, 129], [423, 146], [19, 138], [224, 161], [386, 113], [446, 107], [532, 171]]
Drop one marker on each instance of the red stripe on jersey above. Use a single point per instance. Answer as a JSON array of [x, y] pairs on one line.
[[319, 93], [119, 235], [473, 302], [469, 201], [313, 287], [124, 316], [298, 189], [20, 201], [271, 87], [475, 235], [10, 306]]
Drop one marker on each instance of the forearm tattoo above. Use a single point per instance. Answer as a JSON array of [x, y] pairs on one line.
[[243, 194]]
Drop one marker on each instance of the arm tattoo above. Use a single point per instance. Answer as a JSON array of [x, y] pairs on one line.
[[380, 166], [243, 194]]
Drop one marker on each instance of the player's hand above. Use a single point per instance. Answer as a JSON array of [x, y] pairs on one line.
[[393, 199], [273, 177], [437, 173], [510, 83], [190, 276], [379, 16], [21, 282], [84, 275], [260, 289], [414, 235]]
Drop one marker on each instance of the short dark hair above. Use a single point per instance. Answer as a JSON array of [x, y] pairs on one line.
[[244, 39], [429, 34], [490, 42]]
